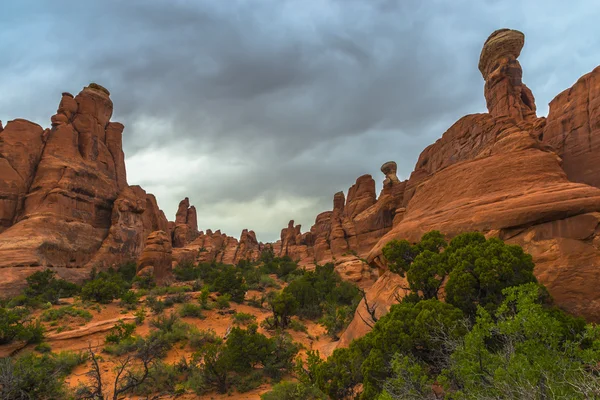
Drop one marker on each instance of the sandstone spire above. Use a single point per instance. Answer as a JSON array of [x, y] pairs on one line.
[[505, 93]]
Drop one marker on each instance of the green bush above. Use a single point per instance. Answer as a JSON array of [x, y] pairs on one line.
[[35, 376], [43, 286], [12, 324], [129, 300], [121, 331], [57, 314], [241, 318], [191, 310], [294, 391], [223, 301], [297, 326], [186, 272], [473, 269], [43, 348], [104, 288], [157, 306], [230, 282]]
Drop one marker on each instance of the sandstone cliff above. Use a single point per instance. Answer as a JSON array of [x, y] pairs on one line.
[[64, 198]]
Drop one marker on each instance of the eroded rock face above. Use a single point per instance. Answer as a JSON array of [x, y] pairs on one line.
[[21, 144], [59, 192], [217, 246], [157, 257], [185, 228], [573, 129]]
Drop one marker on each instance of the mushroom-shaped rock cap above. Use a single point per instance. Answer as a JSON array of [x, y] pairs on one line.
[[389, 167], [98, 88], [501, 43]]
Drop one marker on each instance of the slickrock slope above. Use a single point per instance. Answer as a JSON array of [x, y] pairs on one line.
[[64, 193]]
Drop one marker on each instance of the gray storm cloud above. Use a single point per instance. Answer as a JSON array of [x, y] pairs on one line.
[[259, 111]]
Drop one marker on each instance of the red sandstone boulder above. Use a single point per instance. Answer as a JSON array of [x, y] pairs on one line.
[[157, 257]]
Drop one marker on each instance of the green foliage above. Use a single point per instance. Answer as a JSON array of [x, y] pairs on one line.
[[140, 315], [12, 324], [410, 380], [294, 391], [104, 287], [297, 326], [230, 282], [57, 314], [191, 310], [223, 301], [43, 348], [243, 354], [481, 269], [186, 272], [129, 300], [283, 305], [241, 318], [121, 331], [474, 270], [156, 306], [524, 351], [43, 286], [411, 329], [203, 298], [35, 376], [317, 291]]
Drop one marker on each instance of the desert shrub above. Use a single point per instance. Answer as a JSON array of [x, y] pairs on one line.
[[121, 331], [298, 326], [12, 324], [157, 306], [177, 298], [129, 300], [57, 314], [241, 318], [266, 282], [282, 305], [186, 272], [294, 391], [140, 315], [104, 288], [191, 310], [230, 282], [144, 282], [43, 348], [223, 301], [200, 338], [162, 378], [249, 382], [43, 286], [203, 298], [35, 376]]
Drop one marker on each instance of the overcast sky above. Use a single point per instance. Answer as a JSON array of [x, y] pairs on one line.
[[259, 111]]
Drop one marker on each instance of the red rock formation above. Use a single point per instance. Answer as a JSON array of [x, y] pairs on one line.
[[573, 129], [59, 193], [501, 174], [185, 228], [157, 257], [21, 144], [219, 247]]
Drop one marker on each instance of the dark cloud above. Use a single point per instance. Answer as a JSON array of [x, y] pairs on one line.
[[260, 110]]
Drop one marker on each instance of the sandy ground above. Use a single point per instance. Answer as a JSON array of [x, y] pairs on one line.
[[76, 334]]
